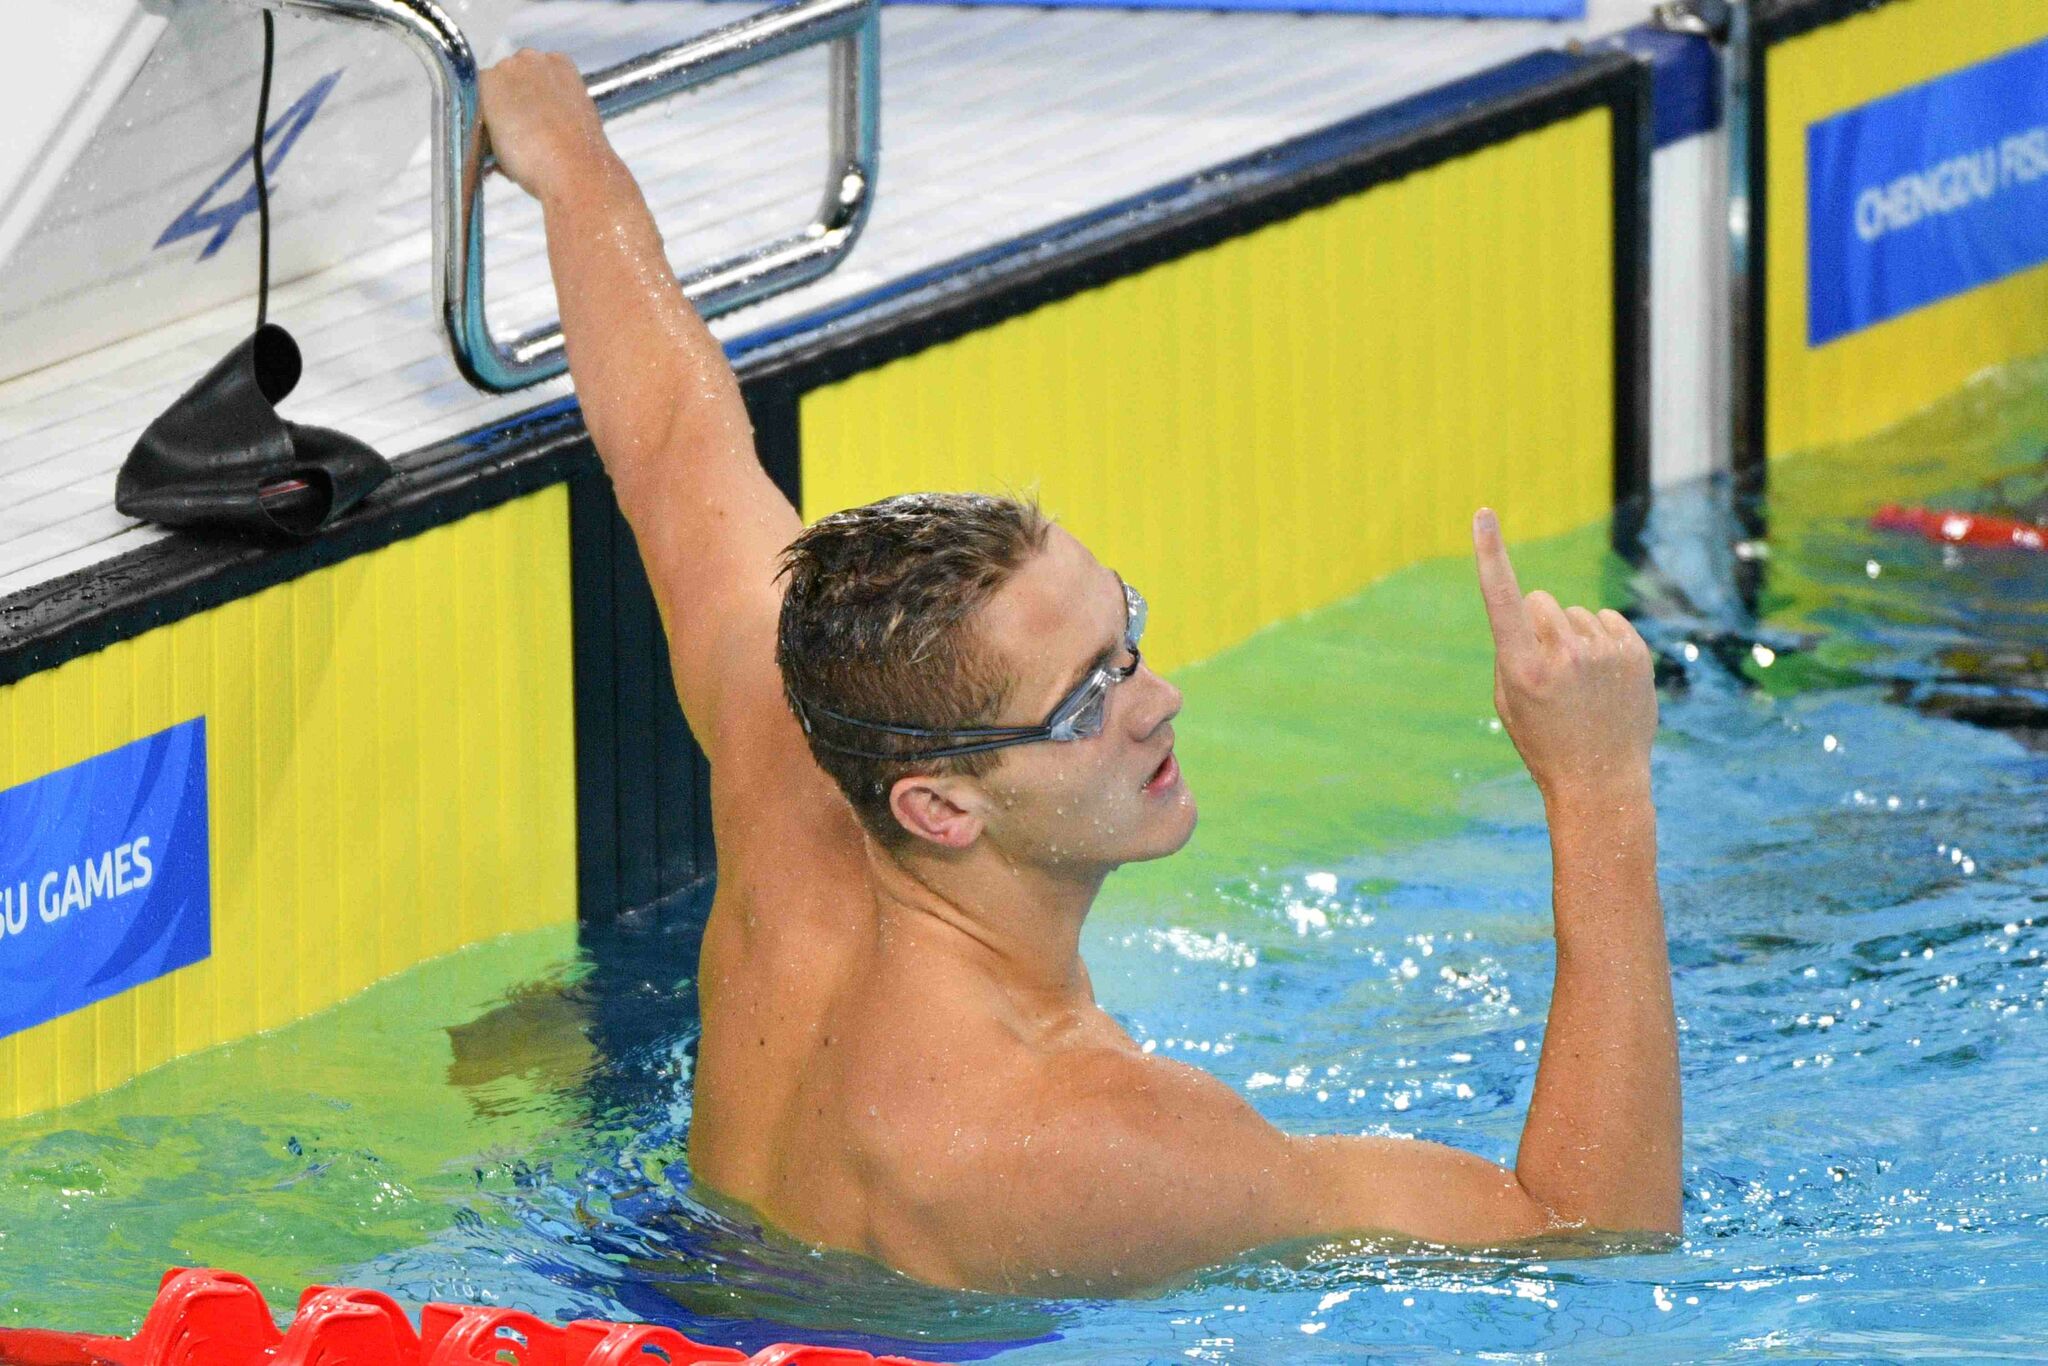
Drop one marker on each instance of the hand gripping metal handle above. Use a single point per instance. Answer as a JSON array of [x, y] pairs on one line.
[[853, 29]]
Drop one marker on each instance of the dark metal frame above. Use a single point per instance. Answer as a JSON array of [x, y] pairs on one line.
[[1771, 22]]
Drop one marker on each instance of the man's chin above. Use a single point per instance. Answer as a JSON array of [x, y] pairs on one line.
[[1176, 832]]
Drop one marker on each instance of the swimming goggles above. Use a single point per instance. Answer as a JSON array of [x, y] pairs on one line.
[[1079, 715]]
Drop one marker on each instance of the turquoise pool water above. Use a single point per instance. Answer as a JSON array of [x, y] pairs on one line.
[[1854, 796]]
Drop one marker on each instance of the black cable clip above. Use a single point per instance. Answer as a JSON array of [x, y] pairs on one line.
[[220, 458]]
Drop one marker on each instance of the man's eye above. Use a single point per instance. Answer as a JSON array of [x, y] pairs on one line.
[[1089, 719]]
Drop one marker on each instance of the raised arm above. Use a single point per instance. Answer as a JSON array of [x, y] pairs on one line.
[[1574, 689], [661, 403]]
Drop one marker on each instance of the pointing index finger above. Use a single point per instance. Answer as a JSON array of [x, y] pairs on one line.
[[1497, 584]]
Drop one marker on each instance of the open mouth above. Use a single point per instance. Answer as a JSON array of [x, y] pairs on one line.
[[1164, 776]]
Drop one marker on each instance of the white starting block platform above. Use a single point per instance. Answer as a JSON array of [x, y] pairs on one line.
[[997, 123]]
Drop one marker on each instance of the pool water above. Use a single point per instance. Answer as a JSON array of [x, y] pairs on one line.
[[1853, 780]]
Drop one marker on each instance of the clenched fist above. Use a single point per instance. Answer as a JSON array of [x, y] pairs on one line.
[[1574, 688], [542, 126]]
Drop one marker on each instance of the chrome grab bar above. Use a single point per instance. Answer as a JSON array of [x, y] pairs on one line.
[[853, 29]]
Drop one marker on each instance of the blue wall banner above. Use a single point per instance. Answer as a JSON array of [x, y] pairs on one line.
[[1927, 193], [104, 876]]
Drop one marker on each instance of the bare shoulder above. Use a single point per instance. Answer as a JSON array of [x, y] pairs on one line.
[[1094, 1167], [1105, 1169]]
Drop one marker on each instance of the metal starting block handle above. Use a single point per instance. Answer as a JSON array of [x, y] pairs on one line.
[[851, 27]]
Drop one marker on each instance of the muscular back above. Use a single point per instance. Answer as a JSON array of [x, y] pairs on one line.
[[861, 1086], [791, 923]]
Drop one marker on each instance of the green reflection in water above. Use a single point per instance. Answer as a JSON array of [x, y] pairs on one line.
[[296, 1153], [1989, 437]]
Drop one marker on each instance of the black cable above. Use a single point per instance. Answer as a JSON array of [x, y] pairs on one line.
[[262, 184]]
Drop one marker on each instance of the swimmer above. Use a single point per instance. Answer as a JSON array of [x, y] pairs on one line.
[[902, 1054]]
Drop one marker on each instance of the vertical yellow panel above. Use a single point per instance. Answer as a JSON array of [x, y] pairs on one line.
[[442, 907], [1238, 467], [275, 817], [401, 881], [194, 989], [478, 699], [509, 683], [507, 779], [233, 778], [469, 704], [1263, 426], [1867, 380], [232, 795], [351, 842], [1451, 211], [1409, 399], [1255, 310], [352, 717], [316, 751], [1591, 420], [1360, 439]]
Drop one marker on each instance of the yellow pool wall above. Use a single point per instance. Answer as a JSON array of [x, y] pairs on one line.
[[1266, 425], [390, 778]]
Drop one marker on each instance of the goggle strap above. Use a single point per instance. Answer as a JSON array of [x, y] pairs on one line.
[[920, 732], [923, 755]]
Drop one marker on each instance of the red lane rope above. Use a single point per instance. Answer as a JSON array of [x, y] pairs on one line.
[[41, 1347], [1962, 528], [216, 1318]]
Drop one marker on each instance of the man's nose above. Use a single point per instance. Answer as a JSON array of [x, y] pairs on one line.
[[1162, 703]]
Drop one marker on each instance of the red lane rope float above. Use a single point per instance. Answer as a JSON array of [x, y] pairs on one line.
[[1962, 528], [216, 1318]]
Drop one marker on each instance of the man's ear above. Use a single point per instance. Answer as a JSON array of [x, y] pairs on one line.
[[943, 810]]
